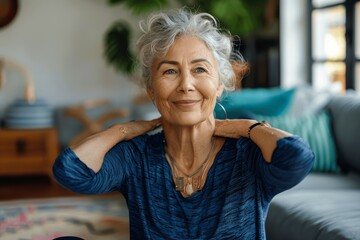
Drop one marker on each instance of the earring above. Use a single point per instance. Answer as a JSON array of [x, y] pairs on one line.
[[217, 113]]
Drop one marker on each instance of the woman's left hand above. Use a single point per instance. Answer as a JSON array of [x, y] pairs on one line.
[[232, 128]]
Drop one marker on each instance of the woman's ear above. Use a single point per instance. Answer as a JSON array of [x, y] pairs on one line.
[[219, 90], [150, 93]]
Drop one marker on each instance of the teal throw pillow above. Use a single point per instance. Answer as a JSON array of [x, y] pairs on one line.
[[315, 129], [248, 101]]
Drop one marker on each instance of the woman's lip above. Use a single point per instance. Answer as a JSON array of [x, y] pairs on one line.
[[186, 102]]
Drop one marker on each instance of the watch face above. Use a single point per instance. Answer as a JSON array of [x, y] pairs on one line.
[[8, 9]]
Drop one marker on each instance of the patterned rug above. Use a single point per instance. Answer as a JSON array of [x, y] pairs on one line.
[[100, 217]]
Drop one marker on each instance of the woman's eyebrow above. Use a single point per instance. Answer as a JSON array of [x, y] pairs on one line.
[[176, 63], [167, 62], [201, 60]]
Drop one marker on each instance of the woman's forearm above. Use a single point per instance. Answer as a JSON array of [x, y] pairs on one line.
[[266, 138], [92, 150], [263, 136]]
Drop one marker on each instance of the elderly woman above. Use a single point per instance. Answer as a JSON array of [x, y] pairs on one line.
[[199, 178]]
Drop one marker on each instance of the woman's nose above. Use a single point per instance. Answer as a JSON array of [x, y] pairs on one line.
[[186, 83]]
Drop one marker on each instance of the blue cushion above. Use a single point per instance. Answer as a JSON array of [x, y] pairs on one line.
[[265, 101], [316, 130]]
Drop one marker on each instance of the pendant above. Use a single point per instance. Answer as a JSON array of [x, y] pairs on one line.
[[196, 184], [179, 183], [189, 189]]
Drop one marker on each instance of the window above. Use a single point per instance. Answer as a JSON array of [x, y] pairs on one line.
[[357, 46], [335, 44]]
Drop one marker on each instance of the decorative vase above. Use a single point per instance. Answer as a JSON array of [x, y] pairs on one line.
[[28, 115]]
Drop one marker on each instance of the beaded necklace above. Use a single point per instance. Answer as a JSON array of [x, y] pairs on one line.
[[188, 184]]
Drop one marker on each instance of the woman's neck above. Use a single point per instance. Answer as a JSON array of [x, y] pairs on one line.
[[189, 146]]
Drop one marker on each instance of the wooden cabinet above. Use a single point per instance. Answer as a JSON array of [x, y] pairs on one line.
[[28, 152]]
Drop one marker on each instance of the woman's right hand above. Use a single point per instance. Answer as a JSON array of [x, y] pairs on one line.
[[133, 129]]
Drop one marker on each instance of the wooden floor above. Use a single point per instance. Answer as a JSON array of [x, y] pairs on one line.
[[31, 187]]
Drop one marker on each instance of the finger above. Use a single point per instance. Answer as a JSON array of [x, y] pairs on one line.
[[157, 119], [218, 121], [218, 125], [156, 122]]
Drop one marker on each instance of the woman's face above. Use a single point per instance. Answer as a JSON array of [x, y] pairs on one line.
[[185, 82]]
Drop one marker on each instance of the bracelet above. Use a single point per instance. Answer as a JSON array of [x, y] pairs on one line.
[[262, 123]]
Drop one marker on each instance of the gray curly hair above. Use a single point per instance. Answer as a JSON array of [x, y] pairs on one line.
[[162, 29]]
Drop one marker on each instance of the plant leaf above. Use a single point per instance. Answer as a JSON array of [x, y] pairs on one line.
[[117, 47]]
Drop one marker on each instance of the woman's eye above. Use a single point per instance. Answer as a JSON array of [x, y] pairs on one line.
[[170, 71], [200, 70]]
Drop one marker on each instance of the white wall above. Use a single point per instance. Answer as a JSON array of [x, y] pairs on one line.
[[61, 43], [293, 43]]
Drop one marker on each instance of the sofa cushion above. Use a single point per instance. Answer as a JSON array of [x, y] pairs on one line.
[[248, 101], [315, 129], [307, 100], [345, 112], [314, 214]]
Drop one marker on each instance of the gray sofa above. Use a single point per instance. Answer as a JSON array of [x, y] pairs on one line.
[[325, 206]]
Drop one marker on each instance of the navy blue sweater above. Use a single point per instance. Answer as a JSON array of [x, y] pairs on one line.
[[232, 205]]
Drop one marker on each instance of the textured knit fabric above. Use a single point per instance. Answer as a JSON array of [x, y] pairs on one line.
[[232, 205]]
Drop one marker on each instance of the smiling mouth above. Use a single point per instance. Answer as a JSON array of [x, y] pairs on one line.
[[186, 102]]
